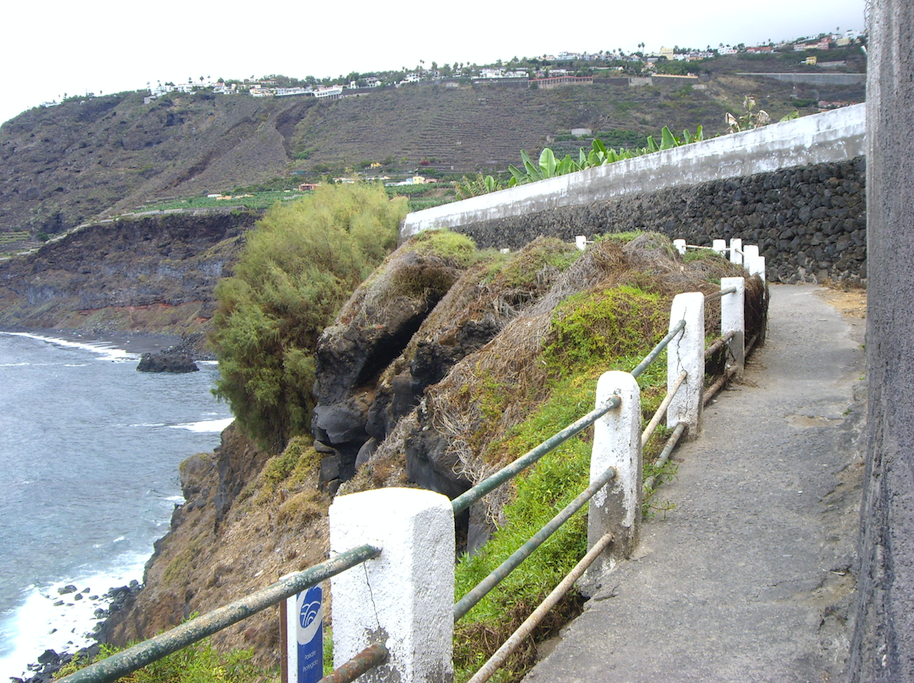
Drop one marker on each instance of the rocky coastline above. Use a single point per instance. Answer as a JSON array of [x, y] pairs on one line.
[[174, 350], [49, 662]]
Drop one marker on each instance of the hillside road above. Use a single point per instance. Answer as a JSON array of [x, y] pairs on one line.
[[748, 577]]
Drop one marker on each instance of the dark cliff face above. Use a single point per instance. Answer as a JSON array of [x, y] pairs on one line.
[[152, 273], [65, 165]]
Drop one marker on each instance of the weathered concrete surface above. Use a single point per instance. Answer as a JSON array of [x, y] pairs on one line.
[[828, 137], [883, 647], [813, 79], [747, 578]]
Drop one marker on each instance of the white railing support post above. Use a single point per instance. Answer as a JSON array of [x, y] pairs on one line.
[[759, 268], [403, 598], [732, 319], [754, 263], [616, 508], [686, 352], [680, 246], [720, 246], [581, 242], [750, 253], [736, 251]]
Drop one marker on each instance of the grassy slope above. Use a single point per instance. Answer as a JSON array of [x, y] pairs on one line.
[[70, 163]]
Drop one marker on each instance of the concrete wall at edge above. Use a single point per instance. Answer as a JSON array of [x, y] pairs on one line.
[[832, 136], [883, 644]]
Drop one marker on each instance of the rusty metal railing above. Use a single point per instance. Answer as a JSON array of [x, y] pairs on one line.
[[136, 657]]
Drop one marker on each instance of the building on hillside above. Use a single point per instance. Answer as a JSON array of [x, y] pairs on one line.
[[289, 92], [727, 50], [331, 92], [415, 180], [759, 49], [667, 52], [676, 78], [560, 81]]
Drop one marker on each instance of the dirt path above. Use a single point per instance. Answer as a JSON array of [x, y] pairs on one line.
[[748, 577]]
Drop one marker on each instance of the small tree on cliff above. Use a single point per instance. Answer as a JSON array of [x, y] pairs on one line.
[[297, 268]]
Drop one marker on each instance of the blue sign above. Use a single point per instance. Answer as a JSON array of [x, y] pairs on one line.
[[310, 635]]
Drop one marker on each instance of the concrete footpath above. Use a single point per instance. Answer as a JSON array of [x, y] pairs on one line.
[[748, 577]]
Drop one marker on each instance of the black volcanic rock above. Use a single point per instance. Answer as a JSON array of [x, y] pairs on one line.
[[168, 360]]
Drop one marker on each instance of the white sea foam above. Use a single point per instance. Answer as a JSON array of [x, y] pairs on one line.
[[37, 624], [213, 426], [104, 349]]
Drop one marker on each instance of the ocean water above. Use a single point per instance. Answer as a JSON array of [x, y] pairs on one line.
[[89, 454]]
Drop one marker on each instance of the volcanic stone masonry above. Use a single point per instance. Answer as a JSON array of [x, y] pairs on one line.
[[809, 222]]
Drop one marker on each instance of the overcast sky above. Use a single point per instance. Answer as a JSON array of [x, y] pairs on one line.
[[101, 46]]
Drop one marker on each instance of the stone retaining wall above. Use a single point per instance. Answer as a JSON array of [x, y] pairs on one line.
[[809, 222], [794, 188]]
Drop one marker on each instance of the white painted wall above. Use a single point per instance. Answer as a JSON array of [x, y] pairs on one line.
[[836, 135]]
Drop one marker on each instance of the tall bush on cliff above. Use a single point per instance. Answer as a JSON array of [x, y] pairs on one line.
[[296, 269]]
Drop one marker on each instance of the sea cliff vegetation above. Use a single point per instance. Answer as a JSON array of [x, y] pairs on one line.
[[294, 272], [445, 362]]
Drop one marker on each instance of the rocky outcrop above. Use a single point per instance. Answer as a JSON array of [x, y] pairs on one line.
[[235, 533], [371, 332], [356, 416], [169, 360], [148, 274]]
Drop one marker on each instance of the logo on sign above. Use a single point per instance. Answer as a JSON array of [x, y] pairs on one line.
[[310, 635], [310, 618]]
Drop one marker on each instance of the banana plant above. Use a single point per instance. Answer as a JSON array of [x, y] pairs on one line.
[[599, 155]]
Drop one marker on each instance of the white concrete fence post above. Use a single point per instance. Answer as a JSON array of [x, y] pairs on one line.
[[732, 319], [404, 598], [616, 508], [720, 246], [754, 263], [736, 251], [680, 246], [686, 351]]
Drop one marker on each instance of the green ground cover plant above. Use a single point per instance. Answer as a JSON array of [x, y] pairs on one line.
[[257, 200], [592, 332], [196, 663]]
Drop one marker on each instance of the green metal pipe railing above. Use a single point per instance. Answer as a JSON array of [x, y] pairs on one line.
[[661, 409], [661, 345], [665, 454], [466, 603], [718, 344], [525, 629], [141, 654], [719, 295], [466, 499]]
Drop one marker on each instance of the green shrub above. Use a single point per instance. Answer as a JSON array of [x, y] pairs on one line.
[[297, 268], [196, 663], [591, 327]]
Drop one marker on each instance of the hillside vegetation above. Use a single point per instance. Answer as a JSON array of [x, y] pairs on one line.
[[502, 350], [91, 158]]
